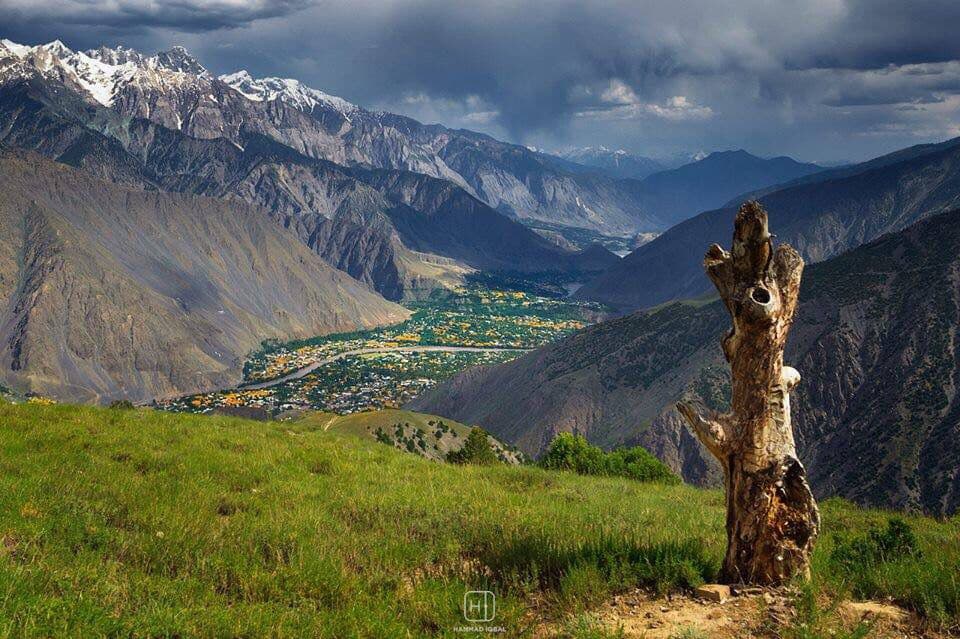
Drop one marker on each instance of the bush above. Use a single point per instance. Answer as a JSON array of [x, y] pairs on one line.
[[574, 453], [476, 450], [121, 404]]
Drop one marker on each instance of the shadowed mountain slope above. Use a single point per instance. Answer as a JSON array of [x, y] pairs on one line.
[[876, 416], [680, 193], [820, 220], [109, 292]]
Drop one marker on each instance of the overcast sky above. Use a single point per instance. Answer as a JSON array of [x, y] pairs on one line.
[[825, 80]]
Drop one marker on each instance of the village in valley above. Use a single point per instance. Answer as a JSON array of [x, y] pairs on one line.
[[388, 366]]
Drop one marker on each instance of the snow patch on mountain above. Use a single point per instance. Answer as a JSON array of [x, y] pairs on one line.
[[99, 73], [18, 50], [289, 91]]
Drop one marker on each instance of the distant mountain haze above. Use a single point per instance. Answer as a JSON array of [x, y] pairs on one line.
[[875, 339], [821, 218], [680, 193], [615, 163]]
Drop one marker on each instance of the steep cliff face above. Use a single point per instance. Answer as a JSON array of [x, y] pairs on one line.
[[879, 414], [821, 219], [109, 292], [876, 415]]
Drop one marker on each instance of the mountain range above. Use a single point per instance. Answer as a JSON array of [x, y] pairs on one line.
[[680, 193], [876, 417], [402, 233], [174, 90], [676, 193], [821, 215], [617, 163]]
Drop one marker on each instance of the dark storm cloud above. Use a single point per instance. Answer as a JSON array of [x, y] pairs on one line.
[[139, 15], [876, 33], [777, 76]]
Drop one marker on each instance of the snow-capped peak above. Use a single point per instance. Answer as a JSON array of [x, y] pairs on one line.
[[597, 152], [178, 59], [292, 92], [117, 56], [100, 73], [57, 48], [56, 60], [103, 73]]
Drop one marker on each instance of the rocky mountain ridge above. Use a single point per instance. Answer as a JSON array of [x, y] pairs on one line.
[[174, 90]]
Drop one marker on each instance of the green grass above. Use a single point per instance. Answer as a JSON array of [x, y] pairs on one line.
[[140, 523], [367, 424]]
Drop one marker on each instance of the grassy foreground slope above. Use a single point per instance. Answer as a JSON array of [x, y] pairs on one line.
[[426, 435], [140, 523]]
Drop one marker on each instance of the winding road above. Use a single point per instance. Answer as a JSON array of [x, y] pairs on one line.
[[306, 370]]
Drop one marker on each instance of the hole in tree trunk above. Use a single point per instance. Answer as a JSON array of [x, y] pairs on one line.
[[760, 295]]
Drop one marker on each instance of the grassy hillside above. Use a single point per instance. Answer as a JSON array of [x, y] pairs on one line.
[[429, 436], [140, 523]]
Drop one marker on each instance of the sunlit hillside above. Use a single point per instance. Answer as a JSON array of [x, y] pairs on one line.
[[140, 523]]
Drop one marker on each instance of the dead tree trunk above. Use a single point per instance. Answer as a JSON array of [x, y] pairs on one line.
[[772, 518]]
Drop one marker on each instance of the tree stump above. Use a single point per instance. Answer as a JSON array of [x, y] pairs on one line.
[[772, 518]]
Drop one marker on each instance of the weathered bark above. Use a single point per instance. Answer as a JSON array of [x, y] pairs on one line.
[[772, 518]]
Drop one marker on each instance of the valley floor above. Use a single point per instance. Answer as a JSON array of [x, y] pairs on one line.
[[388, 366], [309, 368], [142, 523]]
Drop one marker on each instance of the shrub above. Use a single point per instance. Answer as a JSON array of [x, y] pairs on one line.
[[121, 404], [574, 453], [475, 450]]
